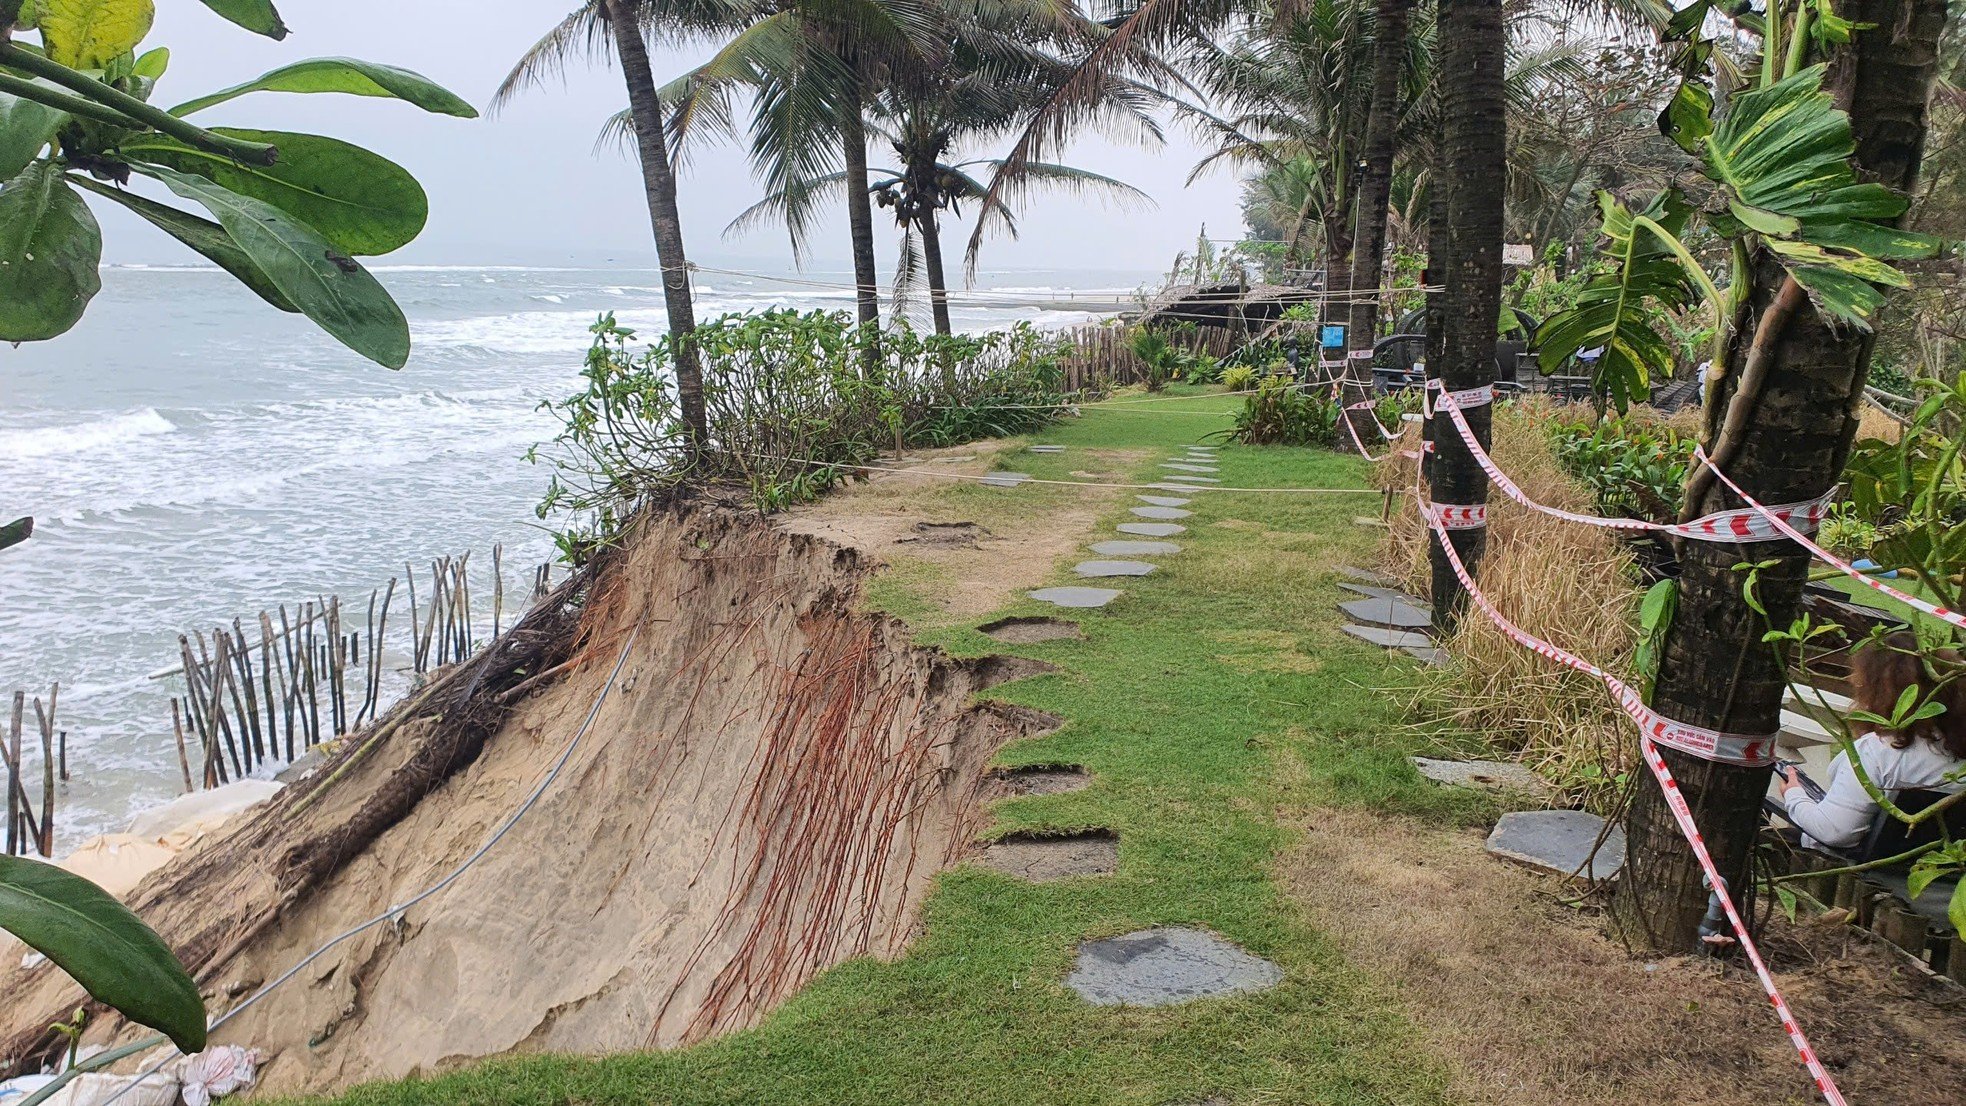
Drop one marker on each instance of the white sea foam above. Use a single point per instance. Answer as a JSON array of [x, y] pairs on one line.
[[54, 441]]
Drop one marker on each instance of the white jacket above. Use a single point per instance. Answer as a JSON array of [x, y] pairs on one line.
[[1840, 819]]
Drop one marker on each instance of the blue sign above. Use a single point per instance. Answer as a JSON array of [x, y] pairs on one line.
[[1332, 336]]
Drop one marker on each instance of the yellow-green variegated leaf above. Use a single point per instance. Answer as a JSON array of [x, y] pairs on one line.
[[89, 34]]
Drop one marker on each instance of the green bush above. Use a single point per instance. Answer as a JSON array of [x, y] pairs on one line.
[[1633, 469], [1239, 378], [1280, 413]]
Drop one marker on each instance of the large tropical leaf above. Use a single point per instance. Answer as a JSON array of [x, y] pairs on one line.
[[89, 34], [105, 948], [49, 249], [327, 285], [1620, 312], [202, 235], [1781, 156], [360, 201], [257, 16], [25, 129], [351, 76]]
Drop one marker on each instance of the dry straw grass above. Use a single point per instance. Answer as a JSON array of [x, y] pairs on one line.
[[1569, 584]]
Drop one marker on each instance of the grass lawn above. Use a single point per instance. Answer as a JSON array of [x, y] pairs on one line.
[[1215, 703]]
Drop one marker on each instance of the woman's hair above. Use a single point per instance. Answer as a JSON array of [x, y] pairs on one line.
[[1880, 671]]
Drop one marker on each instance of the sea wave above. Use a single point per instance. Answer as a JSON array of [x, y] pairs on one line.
[[55, 441]]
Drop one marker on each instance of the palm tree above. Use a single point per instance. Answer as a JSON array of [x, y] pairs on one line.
[[619, 27], [1374, 191]]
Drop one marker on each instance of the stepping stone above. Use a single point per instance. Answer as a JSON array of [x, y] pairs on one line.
[[1365, 576], [1371, 592], [1390, 639], [1115, 568], [1030, 631], [1372, 523], [1178, 487], [1162, 967], [1042, 779], [1183, 466], [1164, 500], [1134, 548], [1490, 775], [1197, 480], [1005, 479], [1430, 655], [1559, 841], [1045, 859], [1075, 596], [1162, 513], [1047, 449], [1387, 612], [1152, 529]]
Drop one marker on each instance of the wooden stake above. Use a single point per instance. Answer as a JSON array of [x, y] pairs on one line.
[[183, 762], [47, 720], [12, 751]]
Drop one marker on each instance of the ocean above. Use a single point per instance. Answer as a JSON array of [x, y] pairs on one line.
[[191, 455]]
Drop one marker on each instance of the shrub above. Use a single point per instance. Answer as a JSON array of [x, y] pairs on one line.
[[1631, 467], [1280, 413], [1161, 360], [1239, 378], [1204, 370]]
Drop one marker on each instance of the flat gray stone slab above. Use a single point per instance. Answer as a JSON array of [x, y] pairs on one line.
[[1387, 638], [1162, 967], [1134, 548], [1164, 500], [1115, 568], [1178, 487], [1430, 655], [1364, 576], [1397, 613], [1165, 514], [1183, 466], [1075, 596], [1005, 479], [1047, 449], [1371, 592], [1152, 529], [1198, 480], [1559, 841], [1489, 775]]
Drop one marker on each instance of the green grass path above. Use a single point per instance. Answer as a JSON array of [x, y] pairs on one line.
[[1214, 703]]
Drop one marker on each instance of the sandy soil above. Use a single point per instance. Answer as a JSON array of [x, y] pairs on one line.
[[1532, 1003]]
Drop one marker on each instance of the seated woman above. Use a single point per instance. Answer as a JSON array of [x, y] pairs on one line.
[[1923, 756]]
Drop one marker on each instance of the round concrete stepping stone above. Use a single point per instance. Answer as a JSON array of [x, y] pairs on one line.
[[1115, 568], [1005, 479], [1488, 775], [1162, 967], [1164, 513], [1387, 612], [1134, 548], [1183, 466], [1075, 596], [1387, 638], [1559, 841], [1152, 529], [1047, 449], [1164, 500], [1045, 859]]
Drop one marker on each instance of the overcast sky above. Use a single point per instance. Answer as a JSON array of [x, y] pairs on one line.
[[526, 187]]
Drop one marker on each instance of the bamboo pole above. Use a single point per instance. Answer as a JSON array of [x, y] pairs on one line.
[[183, 761], [47, 720], [12, 758]]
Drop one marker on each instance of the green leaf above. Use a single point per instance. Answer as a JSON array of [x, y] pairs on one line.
[[89, 34], [26, 128], [360, 201], [326, 284], [1956, 909], [351, 76], [1762, 221], [1786, 898], [16, 532], [1688, 118], [1923, 871], [49, 249], [105, 948], [257, 16], [202, 235], [152, 64]]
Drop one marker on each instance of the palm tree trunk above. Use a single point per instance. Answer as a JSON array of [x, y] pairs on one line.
[[659, 186], [1375, 185], [1715, 672], [938, 287], [1474, 151], [860, 216]]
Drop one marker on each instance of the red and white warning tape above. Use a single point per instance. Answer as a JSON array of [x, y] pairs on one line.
[[1656, 730], [1779, 522], [1754, 523]]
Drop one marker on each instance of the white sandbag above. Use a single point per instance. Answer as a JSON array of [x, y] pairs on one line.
[[117, 862], [97, 1088], [17, 1089], [204, 809]]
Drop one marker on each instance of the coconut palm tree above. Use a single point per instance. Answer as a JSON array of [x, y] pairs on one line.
[[621, 29]]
